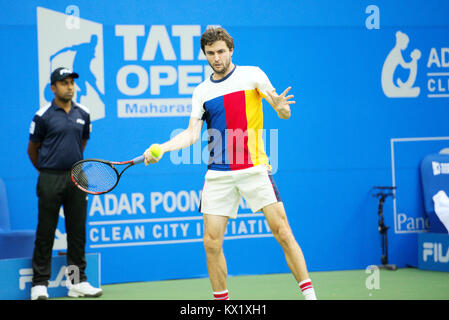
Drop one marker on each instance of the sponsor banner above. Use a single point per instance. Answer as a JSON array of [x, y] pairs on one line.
[[433, 251], [160, 218], [16, 276], [144, 232], [61, 43], [419, 64], [156, 67], [360, 92], [408, 204], [176, 107]]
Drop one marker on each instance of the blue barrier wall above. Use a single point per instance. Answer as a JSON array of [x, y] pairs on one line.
[[16, 276], [350, 128]]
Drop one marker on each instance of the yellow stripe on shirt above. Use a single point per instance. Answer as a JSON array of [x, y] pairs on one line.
[[254, 117]]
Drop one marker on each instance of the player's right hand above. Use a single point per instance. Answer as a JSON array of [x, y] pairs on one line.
[[149, 157]]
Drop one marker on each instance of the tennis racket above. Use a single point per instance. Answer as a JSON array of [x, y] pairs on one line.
[[96, 176]]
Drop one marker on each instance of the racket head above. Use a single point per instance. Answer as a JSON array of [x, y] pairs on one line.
[[94, 176]]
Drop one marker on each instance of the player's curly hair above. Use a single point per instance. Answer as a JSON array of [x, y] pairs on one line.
[[212, 35]]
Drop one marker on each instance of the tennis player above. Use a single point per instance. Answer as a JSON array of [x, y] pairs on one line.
[[230, 102]]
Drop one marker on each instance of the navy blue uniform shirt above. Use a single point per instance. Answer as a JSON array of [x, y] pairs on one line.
[[60, 135]]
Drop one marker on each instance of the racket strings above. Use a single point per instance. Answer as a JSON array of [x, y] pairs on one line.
[[94, 176]]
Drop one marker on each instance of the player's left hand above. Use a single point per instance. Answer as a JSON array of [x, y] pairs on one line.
[[281, 103]]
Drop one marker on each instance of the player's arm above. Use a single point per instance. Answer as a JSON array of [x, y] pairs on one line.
[[184, 139], [33, 152], [280, 103]]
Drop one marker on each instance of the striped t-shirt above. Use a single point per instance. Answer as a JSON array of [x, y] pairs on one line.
[[232, 109]]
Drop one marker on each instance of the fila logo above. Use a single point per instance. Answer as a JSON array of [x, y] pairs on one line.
[[69, 273], [81, 121], [436, 250]]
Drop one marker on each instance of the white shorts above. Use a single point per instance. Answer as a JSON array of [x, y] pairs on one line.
[[223, 190]]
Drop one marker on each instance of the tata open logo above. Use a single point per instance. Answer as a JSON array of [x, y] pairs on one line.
[[436, 75], [154, 68], [161, 67], [77, 48]]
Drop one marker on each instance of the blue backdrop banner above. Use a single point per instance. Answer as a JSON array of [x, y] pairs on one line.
[[371, 84]]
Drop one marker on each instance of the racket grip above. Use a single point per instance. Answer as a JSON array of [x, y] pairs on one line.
[[138, 159]]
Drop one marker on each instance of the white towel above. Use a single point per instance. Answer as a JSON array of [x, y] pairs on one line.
[[441, 206]]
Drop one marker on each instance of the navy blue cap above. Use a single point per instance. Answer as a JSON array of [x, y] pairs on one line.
[[62, 73]]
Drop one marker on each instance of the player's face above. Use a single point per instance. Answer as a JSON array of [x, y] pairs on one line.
[[219, 57], [64, 90]]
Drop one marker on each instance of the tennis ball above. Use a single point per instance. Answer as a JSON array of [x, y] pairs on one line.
[[155, 150]]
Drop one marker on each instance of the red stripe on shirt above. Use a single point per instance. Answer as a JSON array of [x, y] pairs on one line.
[[235, 109]]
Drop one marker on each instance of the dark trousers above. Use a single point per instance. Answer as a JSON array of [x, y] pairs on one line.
[[55, 188]]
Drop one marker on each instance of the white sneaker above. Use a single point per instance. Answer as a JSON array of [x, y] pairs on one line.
[[84, 289], [39, 293]]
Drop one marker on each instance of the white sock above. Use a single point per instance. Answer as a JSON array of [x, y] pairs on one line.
[[222, 295], [307, 289]]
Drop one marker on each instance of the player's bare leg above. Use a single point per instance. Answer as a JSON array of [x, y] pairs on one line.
[[214, 229], [277, 220]]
